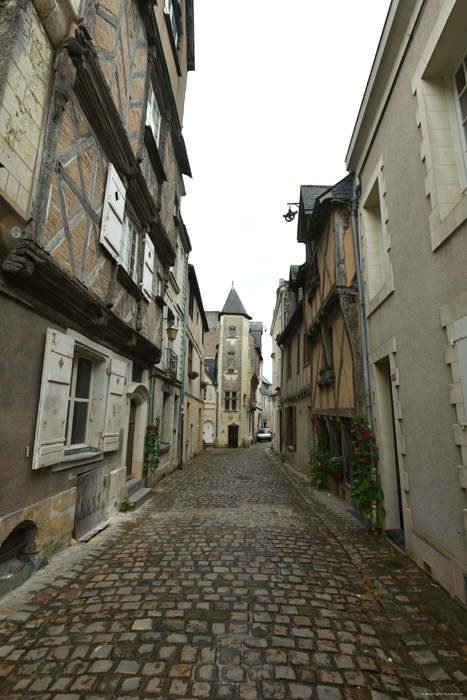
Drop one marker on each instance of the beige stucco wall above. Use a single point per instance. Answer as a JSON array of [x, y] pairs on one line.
[[405, 329]]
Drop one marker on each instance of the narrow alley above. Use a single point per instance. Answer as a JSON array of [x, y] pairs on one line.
[[236, 580]]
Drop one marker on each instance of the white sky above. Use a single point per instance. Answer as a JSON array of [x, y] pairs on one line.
[[271, 106]]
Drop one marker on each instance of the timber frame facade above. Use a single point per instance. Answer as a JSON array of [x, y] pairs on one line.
[[90, 195], [331, 318]]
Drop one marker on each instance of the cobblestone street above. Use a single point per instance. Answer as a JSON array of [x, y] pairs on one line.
[[235, 580]]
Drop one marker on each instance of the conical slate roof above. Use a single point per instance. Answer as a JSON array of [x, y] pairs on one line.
[[233, 306]]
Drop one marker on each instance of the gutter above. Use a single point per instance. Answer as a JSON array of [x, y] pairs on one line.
[[361, 303], [181, 410]]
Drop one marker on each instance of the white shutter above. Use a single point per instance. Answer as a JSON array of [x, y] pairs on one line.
[[112, 213], [111, 434], [460, 332], [49, 443], [148, 267]]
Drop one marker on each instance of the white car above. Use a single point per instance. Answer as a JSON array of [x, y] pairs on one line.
[[263, 434]]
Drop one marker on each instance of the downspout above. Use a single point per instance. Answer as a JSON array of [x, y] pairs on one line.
[[152, 384], [182, 388], [361, 303]]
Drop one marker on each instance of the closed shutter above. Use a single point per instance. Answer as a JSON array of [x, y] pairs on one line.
[[460, 332], [49, 443], [111, 434], [112, 213], [148, 267]]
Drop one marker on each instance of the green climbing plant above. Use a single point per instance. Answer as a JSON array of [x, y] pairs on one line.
[[322, 462], [367, 494], [152, 447]]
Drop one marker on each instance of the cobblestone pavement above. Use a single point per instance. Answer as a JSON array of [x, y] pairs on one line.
[[235, 581]]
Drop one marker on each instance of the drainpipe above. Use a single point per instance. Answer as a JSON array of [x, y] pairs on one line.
[[361, 302], [182, 388], [152, 384]]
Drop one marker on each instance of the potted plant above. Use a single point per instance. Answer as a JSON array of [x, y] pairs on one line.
[[193, 374]]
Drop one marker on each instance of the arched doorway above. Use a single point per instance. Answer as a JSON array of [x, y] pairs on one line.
[[208, 432], [137, 408]]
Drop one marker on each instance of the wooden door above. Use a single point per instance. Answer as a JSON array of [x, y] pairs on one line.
[[233, 435]]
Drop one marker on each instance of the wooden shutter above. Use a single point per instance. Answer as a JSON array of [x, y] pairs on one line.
[[112, 213], [49, 443], [111, 434], [460, 333], [148, 267]]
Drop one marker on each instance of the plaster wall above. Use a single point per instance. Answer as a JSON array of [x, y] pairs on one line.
[[427, 279]]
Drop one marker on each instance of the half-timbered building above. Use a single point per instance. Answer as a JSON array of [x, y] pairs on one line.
[[90, 190], [331, 318]]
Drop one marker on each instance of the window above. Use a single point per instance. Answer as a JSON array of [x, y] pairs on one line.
[[153, 116], [306, 350], [232, 332], [191, 303], [290, 426], [190, 356], [129, 247], [374, 248], [120, 237], [230, 401], [460, 92], [376, 241], [298, 354], [170, 11], [289, 362], [439, 85], [81, 400], [231, 362]]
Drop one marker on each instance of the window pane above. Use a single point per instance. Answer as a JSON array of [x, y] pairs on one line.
[[83, 378], [463, 105], [80, 419], [460, 79]]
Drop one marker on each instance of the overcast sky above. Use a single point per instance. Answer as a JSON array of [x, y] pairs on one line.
[[270, 106]]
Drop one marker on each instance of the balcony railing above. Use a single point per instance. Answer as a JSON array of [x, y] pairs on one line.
[[172, 363]]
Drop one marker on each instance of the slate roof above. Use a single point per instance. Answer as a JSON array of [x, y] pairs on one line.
[[314, 203], [256, 330], [212, 318], [233, 306], [308, 195]]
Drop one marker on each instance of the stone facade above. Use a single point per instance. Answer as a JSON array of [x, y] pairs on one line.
[[237, 371]]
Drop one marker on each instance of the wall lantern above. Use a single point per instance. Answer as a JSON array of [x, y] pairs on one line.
[[290, 216], [171, 329], [172, 332]]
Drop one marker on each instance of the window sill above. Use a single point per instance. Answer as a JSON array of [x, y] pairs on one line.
[[451, 222], [79, 456], [380, 296]]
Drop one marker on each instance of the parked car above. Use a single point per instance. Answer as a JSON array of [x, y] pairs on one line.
[[263, 434]]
